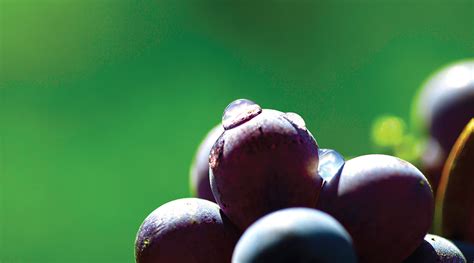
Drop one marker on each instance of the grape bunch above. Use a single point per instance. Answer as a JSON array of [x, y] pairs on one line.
[[266, 192]]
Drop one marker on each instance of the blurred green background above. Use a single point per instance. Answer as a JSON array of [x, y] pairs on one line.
[[103, 103]]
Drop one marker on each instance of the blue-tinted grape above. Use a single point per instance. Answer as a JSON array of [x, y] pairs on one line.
[[436, 249], [295, 235]]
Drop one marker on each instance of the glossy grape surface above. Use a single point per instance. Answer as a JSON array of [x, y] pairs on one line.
[[295, 235], [266, 163], [385, 203], [188, 230], [436, 249]]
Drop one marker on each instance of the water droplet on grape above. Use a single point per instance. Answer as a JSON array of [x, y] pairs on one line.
[[238, 112], [296, 120], [330, 163]]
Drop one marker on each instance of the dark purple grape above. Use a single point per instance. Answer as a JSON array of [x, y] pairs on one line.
[[199, 173], [385, 203], [188, 230], [436, 249], [446, 102], [330, 163], [295, 235], [264, 161]]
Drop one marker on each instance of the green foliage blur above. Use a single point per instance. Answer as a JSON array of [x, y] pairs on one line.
[[103, 103]]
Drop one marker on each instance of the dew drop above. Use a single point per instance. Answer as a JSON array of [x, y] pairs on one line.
[[330, 163], [296, 120], [238, 112]]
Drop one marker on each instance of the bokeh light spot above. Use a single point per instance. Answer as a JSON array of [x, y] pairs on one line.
[[388, 131]]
